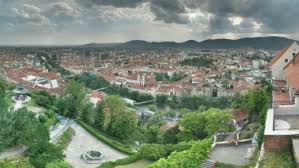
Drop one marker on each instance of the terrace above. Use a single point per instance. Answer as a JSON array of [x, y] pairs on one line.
[[283, 119]]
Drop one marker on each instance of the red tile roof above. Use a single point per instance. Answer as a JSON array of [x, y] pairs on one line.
[[279, 54]]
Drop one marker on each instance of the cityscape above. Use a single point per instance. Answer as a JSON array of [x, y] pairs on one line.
[[149, 84]]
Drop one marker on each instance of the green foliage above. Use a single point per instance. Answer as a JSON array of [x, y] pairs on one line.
[[92, 82], [42, 153], [279, 160], [43, 98], [59, 164], [197, 102], [156, 151], [260, 136], [198, 61], [48, 118], [20, 162], [65, 138], [21, 127], [199, 125], [121, 121], [88, 113], [72, 101], [125, 161], [112, 143], [161, 99], [170, 135], [165, 77], [152, 134], [124, 92], [153, 108], [191, 158], [256, 101]]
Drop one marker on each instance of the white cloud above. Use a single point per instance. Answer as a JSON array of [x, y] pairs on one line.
[[63, 8], [31, 16]]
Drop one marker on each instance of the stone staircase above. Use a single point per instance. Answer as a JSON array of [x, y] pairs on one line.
[[208, 164]]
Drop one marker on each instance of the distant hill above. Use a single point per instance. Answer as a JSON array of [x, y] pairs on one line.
[[273, 42]]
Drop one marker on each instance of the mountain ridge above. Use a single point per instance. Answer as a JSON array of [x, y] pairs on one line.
[[270, 42]]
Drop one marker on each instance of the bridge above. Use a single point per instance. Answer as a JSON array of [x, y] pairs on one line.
[[144, 102], [101, 89]]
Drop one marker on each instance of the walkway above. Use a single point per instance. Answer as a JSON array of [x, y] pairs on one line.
[[13, 152], [82, 142], [237, 155]]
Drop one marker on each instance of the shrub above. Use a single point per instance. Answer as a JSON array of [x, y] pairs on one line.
[[116, 145], [66, 138], [125, 161], [191, 158], [59, 164], [156, 151], [43, 153]]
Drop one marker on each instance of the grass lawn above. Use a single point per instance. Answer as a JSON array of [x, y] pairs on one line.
[[139, 164]]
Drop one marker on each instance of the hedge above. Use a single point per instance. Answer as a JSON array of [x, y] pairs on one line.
[[66, 138], [131, 159], [114, 144]]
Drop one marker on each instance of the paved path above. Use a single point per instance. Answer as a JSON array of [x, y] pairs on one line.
[[13, 152], [82, 142], [237, 155]]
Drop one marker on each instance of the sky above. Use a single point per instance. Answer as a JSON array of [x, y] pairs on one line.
[[60, 22]]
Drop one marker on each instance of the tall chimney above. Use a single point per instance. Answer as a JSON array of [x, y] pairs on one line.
[[294, 57]]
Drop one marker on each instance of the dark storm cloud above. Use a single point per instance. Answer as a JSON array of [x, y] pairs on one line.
[[278, 16], [275, 16], [115, 3], [169, 11]]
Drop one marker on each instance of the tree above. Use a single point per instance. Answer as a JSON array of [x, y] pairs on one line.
[[191, 158], [59, 164], [170, 135], [43, 153], [199, 125], [218, 121], [121, 121], [123, 125], [151, 134], [193, 125], [161, 99], [74, 95], [99, 117], [256, 101], [88, 113]]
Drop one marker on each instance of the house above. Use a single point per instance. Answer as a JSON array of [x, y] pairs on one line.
[[282, 122], [281, 59], [96, 97]]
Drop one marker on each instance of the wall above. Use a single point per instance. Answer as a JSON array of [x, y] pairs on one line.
[[277, 142]]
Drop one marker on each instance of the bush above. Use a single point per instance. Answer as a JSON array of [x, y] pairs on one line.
[[191, 158], [125, 161], [66, 138], [116, 145], [156, 151], [42, 153], [59, 164], [21, 162]]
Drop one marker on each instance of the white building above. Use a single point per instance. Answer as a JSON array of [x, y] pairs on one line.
[[281, 59]]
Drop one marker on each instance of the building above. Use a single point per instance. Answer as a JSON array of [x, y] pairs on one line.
[[281, 59], [282, 122]]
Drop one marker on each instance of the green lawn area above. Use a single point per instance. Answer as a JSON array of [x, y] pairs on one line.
[[139, 164]]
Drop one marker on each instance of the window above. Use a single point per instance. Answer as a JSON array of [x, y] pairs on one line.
[[286, 60]]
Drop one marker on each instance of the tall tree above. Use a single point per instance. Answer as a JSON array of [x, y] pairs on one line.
[[74, 95]]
